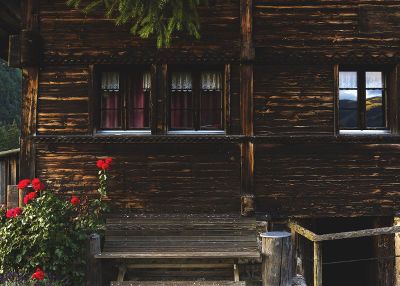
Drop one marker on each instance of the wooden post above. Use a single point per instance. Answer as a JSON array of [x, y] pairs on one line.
[[12, 196], [396, 222], [317, 264], [276, 249], [94, 277]]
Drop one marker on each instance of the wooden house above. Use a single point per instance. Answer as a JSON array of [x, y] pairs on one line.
[[282, 110]]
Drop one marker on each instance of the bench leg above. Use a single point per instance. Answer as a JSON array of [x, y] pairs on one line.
[[121, 273], [236, 272]]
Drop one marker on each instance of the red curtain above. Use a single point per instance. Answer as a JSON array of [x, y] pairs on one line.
[[111, 107], [138, 104]]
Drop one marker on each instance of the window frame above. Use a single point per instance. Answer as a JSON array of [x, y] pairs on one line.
[[124, 72], [361, 99], [196, 71]]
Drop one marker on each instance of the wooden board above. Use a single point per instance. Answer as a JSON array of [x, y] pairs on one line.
[[178, 283]]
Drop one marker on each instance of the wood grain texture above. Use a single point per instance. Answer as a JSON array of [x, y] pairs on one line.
[[63, 100], [336, 29], [293, 100], [69, 35], [327, 179], [149, 177], [178, 283]]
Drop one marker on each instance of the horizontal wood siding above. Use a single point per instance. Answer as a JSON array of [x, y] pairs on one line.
[[326, 28], [327, 179], [293, 100], [150, 177], [68, 33], [63, 100]]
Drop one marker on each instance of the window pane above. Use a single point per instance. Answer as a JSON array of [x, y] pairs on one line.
[[374, 79], [181, 101], [211, 110], [374, 108], [348, 111], [347, 79], [110, 101], [181, 110], [111, 110], [138, 100]]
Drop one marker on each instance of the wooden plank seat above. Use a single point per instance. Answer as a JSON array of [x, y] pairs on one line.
[[179, 283], [219, 239]]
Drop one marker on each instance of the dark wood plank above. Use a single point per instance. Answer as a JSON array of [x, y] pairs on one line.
[[178, 283]]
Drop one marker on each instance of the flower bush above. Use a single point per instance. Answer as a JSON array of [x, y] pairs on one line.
[[47, 236]]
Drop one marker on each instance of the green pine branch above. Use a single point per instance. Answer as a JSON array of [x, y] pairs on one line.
[[159, 18]]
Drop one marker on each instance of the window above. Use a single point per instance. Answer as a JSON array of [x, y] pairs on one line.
[[125, 100], [196, 101], [362, 100]]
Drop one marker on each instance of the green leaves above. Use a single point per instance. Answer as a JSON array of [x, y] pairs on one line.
[[159, 18], [50, 233]]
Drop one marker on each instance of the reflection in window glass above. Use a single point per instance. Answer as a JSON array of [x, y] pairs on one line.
[[348, 106], [110, 101], [374, 99]]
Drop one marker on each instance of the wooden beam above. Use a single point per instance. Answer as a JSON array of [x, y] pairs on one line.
[[303, 231], [317, 264], [246, 97], [161, 100], [29, 99], [396, 223]]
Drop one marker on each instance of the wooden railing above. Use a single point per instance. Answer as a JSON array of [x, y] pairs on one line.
[[9, 172], [318, 239]]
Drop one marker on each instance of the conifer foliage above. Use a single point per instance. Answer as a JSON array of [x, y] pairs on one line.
[[159, 18]]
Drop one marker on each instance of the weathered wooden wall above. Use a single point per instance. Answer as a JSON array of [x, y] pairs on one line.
[[358, 30], [281, 143], [150, 177], [293, 99]]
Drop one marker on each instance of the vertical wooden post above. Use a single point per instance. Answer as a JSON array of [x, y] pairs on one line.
[[3, 183], [161, 101], [384, 247], [94, 271], [30, 22], [246, 97], [276, 252], [396, 222], [317, 264], [12, 196]]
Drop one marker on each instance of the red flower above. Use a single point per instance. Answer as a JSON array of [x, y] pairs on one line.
[[75, 201], [23, 183], [37, 185], [38, 275], [10, 213], [29, 197], [99, 163], [17, 212], [104, 164]]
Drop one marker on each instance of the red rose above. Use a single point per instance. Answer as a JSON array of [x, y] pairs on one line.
[[38, 275], [75, 201], [108, 160], [17, 212], [10, 213], [99, 163], [105, 166], [23, 184], [29, 197], [37, 185]]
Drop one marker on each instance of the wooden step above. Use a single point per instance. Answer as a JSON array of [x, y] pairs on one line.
[[178, 283]]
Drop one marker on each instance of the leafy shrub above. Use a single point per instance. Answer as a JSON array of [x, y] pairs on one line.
[[15, 279], [50, 232]]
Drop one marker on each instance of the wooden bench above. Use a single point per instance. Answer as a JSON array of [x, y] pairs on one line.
[[184, 241], [179, 283]]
